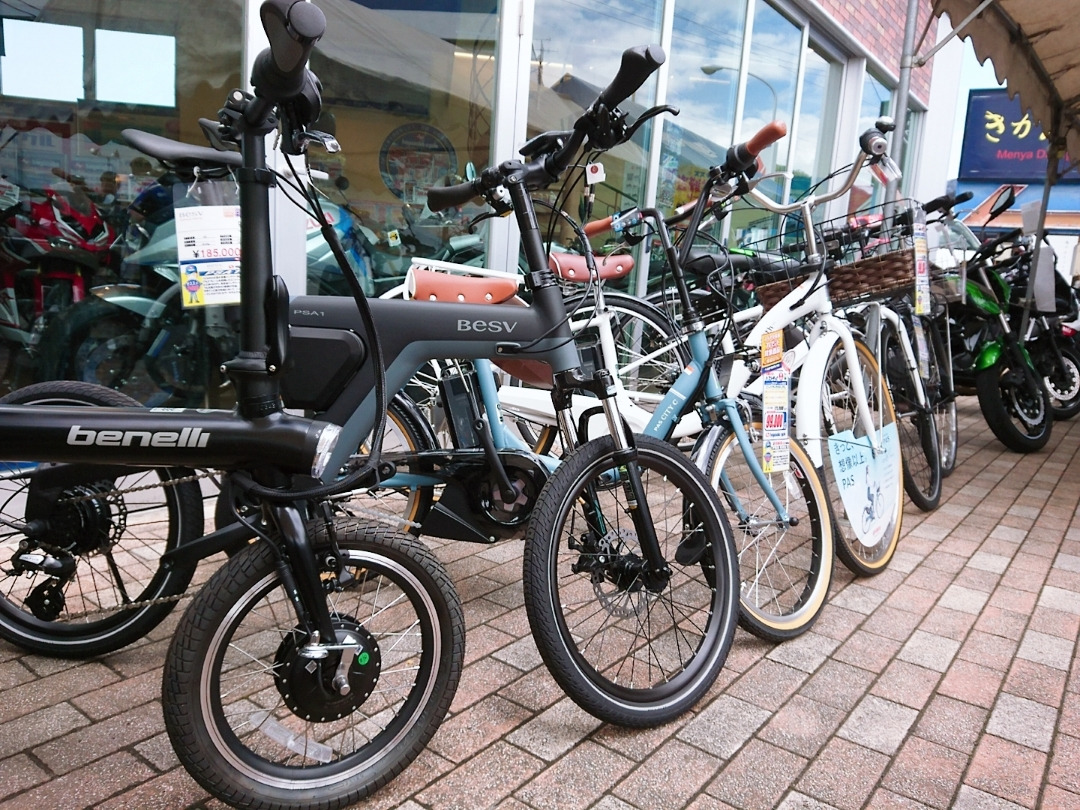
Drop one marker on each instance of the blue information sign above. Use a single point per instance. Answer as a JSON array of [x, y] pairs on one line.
[[1002, 142]]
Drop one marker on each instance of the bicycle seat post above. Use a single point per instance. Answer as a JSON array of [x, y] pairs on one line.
[[258, 391]]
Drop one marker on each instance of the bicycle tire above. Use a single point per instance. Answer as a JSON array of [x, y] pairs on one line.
[[918, 432], [942, 394], [249, 745], [784, 571], [841, 427], [113, 541], [577, 581]]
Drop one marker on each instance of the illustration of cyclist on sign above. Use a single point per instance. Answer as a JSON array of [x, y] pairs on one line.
[[867, 475]]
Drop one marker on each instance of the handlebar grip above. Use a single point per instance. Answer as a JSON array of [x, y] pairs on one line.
[[765, 137], [962, 198], [292, 27], [439, 198], [591, 229], [742, 156], [637, 65], [873, 143]]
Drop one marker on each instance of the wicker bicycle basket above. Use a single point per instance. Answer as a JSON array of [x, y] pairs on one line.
[[872, 257]]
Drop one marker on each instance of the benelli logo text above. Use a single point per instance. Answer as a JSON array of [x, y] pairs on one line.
[[486, 326], [79, 436]]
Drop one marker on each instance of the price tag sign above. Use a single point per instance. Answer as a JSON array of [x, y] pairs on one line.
[[922, 266], [208, 248], [775, 418]]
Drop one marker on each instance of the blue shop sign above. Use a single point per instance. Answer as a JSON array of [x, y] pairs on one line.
[[1002, 142]]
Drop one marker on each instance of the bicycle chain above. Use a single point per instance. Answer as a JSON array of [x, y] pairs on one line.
[[172, 482]]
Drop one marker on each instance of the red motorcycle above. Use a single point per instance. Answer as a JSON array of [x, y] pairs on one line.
[[52, 245]]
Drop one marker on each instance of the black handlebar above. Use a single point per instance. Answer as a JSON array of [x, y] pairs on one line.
[[293, 27], [946, 201], [638, 64], [552, 152]]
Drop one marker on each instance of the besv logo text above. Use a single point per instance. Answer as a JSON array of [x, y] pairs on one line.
[[188, 437], [486, 326]]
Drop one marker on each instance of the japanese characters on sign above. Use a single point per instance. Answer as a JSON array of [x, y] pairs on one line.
[[775, 431], [1002, 142]]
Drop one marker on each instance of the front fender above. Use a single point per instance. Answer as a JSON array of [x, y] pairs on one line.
[[808, 427], [127, 296], [989, 355]]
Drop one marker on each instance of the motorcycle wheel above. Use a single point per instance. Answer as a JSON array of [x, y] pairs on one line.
[[1063, 384], [258, 724], [97, 342], [1015, 405], [109, 531]]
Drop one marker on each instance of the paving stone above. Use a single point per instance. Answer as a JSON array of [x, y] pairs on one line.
[[926, 772], [806, 652], [1045, 649], [483, 781], [669, 778], [1023, 721], [1007, 770], [1065, 764], [878, 724], [573, 780], [802, 726], [843, 775], [758, 776], [555, 731], [963, 599], [952, 723], [929, 650], [724, 726]]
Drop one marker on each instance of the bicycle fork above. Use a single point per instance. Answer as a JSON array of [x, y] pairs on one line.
[[655, 571]]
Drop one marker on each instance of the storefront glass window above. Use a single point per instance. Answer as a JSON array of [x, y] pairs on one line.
[[576, 52], [82, 208], [408, 93], [703, 84]]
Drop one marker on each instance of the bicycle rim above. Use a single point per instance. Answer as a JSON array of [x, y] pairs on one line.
[[784, 570]]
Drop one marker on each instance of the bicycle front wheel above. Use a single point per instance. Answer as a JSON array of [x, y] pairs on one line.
[[784, 570], [626, 648], [862, 473], [919, 445], [258, 723]]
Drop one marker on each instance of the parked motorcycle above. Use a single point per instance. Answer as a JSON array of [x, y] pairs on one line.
[[136, 336], [989, 357], [53, 244]]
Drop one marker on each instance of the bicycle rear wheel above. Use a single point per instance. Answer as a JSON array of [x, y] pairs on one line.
[[258, 724], [862, 474], [784, 570], [940, 389], [88, 581], [628, 652], [915, 423]]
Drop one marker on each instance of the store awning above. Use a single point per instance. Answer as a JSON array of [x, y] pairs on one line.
[[1033, 46]]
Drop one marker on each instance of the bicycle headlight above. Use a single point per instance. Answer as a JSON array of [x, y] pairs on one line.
[[328, 439]]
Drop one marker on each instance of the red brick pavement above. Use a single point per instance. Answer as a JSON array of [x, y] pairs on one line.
[[950, 680]]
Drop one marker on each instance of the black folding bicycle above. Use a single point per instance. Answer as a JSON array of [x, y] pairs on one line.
[[318, 661]]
